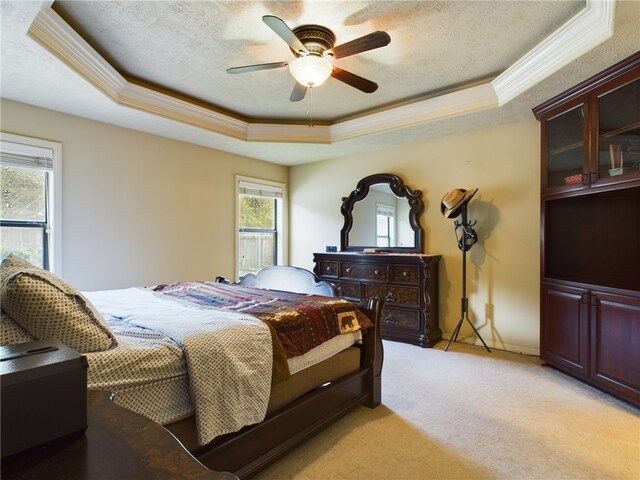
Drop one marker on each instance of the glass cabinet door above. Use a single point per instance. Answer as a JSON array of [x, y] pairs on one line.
[[565, 148], [619, 132]]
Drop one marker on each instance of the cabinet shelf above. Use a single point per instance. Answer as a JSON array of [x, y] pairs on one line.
[[566, 148], [609, 134], [621, 130]]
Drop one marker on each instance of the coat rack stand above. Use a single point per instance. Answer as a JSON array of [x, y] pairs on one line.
[[465, 242]]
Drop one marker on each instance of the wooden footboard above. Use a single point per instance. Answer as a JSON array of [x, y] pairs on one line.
[[251, 449]]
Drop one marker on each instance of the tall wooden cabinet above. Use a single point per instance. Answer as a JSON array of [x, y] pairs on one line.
[[590, 222]]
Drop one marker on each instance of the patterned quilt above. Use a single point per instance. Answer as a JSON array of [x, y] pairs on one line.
[[297, 322], [228, 356]]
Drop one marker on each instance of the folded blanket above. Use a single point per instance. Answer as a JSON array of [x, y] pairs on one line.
[[297, 322], [234, 349]]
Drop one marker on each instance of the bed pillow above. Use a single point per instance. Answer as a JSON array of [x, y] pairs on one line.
[[47, 307], [12, 333], [11, 262]]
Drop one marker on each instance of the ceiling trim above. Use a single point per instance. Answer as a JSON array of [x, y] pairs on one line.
[[287, 133], [453, 104], [152, 101], [587, 29], [51, 31], [590, 27]]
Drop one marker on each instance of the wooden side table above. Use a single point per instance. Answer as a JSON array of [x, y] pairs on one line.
[[119, 444]]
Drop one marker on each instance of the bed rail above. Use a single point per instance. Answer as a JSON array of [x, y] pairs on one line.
[[253, 448]]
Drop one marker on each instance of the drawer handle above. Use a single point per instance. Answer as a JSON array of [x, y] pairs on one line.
[[376, 272], [348, 270], [340, 291], [389, 297], [328, 268], [405, 274], [388, 318]]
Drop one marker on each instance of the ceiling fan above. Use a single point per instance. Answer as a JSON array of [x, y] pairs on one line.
[[313, 47]]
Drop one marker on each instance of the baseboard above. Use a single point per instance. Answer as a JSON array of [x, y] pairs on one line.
[[497, 345]]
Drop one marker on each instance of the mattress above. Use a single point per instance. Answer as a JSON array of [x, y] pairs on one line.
[[148, 372]]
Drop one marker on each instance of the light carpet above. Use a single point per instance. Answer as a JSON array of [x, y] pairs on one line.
[[470, 414]]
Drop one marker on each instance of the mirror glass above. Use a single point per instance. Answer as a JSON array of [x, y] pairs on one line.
[[382, 213], [381, 219]]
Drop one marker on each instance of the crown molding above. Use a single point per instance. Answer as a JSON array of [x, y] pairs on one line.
[[461, 102], [52, 32], [590, 27], [287, 133], [151, 101]]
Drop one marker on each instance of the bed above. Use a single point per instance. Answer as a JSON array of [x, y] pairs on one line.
[[169, 359]]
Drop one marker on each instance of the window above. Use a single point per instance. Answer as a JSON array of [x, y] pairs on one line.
[[260, 232], [30, 188], [385, 225]]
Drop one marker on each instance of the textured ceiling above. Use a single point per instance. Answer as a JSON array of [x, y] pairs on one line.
[[231, 34], [186, 47]]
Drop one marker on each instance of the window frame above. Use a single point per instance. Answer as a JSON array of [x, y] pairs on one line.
[[29, 146], [390, 211], [281, 230]]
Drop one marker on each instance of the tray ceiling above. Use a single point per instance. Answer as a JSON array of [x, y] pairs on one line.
[[449, 66], [186, 47]]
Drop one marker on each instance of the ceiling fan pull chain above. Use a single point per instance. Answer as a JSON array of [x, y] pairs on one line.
[[310, 106]]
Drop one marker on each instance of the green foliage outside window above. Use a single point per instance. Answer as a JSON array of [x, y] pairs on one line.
[[22, 199], [257, 212], [23, 194], [31, 252]]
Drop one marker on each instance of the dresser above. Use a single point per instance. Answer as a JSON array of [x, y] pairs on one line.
[[407, 282]]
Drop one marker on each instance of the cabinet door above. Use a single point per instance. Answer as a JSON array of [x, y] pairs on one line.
[[564, 328], [615, 343], [564, 153], [618, 129]]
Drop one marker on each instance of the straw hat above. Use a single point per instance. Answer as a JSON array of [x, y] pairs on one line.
[[454, 200]]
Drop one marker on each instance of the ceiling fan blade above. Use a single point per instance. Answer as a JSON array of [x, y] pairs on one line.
[[255, 68], [362, 84], [284, 32], [299, 92], [368, 42]]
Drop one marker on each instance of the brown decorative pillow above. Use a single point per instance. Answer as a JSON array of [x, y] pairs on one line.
[[12, 333], [47, 307], [10, 263]]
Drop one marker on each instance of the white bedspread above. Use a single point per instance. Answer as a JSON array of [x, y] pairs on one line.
[[229, 355]]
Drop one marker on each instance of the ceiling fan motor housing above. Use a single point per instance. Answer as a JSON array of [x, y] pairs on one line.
[[315, 38]]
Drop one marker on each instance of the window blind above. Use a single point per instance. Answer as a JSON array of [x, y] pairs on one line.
[[26, 161], [385, 210], [259, 190]]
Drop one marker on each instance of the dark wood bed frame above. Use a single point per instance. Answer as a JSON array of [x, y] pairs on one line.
[[246, 452]]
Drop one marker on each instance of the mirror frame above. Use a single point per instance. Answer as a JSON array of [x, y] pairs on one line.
[[397, 186]]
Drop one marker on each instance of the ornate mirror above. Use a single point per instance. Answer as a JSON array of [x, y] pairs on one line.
[[382, 213]]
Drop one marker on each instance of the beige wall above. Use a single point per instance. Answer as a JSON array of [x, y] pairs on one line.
[[139, 209], [502, 269]]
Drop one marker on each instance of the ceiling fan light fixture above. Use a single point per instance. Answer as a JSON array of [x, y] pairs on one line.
[[311, 70]]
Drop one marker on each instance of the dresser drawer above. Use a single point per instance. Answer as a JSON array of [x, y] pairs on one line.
[[364, 271], [348, 290], [408, 283], [394, 295], [409, 274], [327, 269], [399, 318]]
